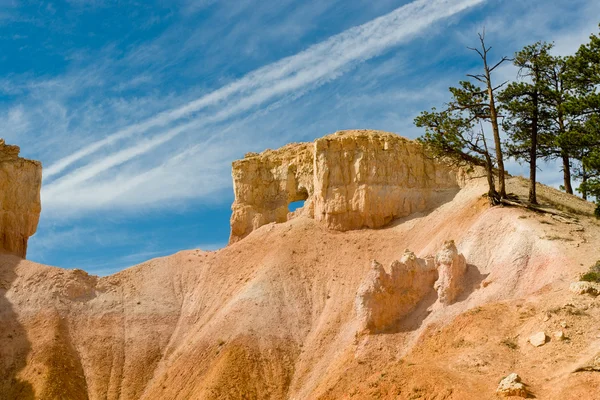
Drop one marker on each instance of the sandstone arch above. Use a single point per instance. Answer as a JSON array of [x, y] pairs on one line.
[[350, 180]]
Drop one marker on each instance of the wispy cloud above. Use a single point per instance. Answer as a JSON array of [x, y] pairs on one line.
[[291, 76], [137, 120]]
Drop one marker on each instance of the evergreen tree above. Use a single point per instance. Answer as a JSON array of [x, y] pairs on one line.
[[560, 94], [584, 68], [528, 120], [588, 152], [456, 133]]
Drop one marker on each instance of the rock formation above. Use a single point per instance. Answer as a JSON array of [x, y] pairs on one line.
[[349, 180], [20, 207], [583, 287], [385, 297], [274, 316], [451, 268], [511, 386], [265, 184]]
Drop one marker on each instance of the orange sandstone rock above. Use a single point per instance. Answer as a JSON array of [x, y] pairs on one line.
[[349, 180], [20, 206]]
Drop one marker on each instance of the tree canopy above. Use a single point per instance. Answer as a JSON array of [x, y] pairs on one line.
[[551, 110]]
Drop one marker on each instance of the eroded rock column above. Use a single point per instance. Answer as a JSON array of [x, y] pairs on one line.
[[20, 205], [451, 267], [384, 298]]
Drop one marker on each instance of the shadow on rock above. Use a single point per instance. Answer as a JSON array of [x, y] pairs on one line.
[[472, 281], [415, 319], [14, 345]]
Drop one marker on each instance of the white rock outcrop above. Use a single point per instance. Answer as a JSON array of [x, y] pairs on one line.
[[538, 339], [384, 297], [349, 180], [583, 287], [512, 386], [20, 206], [451, 267]]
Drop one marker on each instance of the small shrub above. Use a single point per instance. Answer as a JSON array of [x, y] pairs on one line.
[[593, 275], [510, 343], [575, 311]]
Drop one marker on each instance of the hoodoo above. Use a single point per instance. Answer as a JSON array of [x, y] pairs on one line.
[[349, 180], [20, 206]]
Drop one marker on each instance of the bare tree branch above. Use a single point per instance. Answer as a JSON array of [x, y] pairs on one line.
[[478, 77], [499, 86], [499, 63]]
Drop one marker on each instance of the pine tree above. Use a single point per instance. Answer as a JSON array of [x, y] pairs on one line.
[[584, 68], [561, 90], [528, 121], [456, 133], [587, 145]]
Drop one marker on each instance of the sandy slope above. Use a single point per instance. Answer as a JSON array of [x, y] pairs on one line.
[[272, 316]]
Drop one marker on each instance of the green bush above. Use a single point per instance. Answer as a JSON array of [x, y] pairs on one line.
[[593, 275]]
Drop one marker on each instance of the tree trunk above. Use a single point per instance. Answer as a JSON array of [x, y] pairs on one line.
[[567, 172], [533, 150], [583, 181], [563, 153], [496, 130], [493, 197]]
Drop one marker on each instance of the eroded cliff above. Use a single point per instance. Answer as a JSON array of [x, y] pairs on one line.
[[349, 180], [298, 311], [20, 206]]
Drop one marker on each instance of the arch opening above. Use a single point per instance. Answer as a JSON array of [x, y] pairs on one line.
[[294, 205]]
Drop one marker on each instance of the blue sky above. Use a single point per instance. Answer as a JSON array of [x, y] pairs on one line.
[[137, 108]]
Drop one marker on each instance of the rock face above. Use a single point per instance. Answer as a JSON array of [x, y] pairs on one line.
[[385, 297], [451, 268], [349, 180], [20, 206], [265, 184]]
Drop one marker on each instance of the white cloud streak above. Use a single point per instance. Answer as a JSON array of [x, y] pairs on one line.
[[319, 63]]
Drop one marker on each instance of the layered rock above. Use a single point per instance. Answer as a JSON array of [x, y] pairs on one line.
[[350, 180], [20, 206], [385, 297], [265, 184]]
